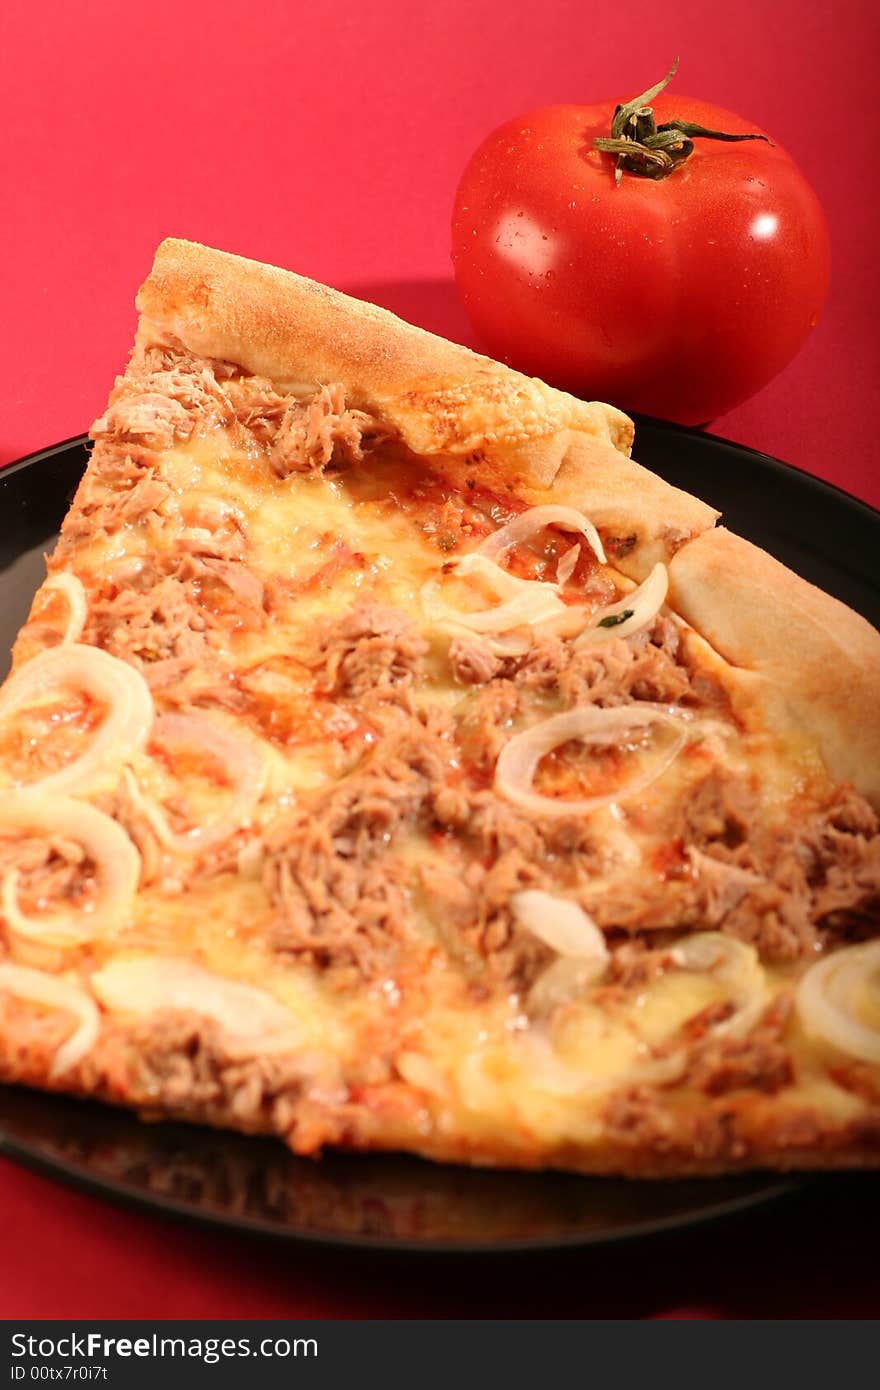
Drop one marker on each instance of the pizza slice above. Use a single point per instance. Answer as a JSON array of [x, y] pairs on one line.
[[390, 762]]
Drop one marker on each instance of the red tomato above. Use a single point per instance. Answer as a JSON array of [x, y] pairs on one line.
[[677, 297]]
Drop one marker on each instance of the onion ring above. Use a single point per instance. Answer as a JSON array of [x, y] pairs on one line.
[[827, 1000], [520, 756], [254, 1022], [236, 754], [114, 682], [642, 605], [105, 842], [535, 519], [77, 604], [38, 987], [561, 924]]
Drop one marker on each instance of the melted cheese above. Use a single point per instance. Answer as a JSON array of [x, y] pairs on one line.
[[482, 1067]]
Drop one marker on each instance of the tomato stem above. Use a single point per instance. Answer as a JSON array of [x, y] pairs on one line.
[[655, 151]]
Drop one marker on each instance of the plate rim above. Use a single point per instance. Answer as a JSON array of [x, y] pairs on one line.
[[771, 1187], [19, 465], [803, 474]]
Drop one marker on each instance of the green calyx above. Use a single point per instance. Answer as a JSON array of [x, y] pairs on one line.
[[654, 151]]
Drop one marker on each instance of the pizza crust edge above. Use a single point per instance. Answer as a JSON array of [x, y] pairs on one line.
[[798, 658], [710, 577], [443, 400]]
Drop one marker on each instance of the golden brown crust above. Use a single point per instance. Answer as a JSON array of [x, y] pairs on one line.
[[646, 1135], [442, 397], [799, 660], [443, 400]]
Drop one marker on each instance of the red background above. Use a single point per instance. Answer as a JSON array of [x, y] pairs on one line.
[[329, 138]]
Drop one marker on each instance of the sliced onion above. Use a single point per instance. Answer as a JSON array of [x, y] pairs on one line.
[[547, 1072], [242, 760], [564, 981], [420, 1071], [117, 862], [525, 601], [519, 758], [643, 604], [829, 995], [535, 519], [116, 684], [501, 581], [567, 562], [77, 604], [514, 643], [732, 962], [736, 966], [562, 925], [254, 1022], [559, 1078], [56, 992]]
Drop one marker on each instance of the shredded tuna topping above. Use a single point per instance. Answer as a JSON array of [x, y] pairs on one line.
[[172, 615], [374, 654], [334, 871], [760, 1061], [472, 660], [314, 433], [645, 666], [162, 631], [305, 434], [178, 1062], [477, 924], [52, 870], [102, 510], [346, 894], [815, 880], [166, 396], [163, 397]]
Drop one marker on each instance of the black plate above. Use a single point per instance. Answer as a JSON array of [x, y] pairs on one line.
[[387, 1201]]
